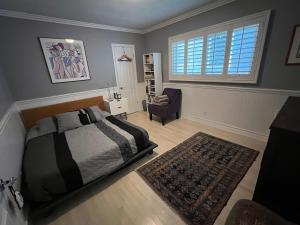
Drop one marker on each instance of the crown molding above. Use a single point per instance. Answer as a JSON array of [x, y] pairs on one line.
[[36, 17], [202, 9], [49, 19]]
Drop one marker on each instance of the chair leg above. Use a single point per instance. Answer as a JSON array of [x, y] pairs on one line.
[[150, 116], [177, 115], [162, 121]]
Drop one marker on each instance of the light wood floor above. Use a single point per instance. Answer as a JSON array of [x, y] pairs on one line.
[[125, 198]]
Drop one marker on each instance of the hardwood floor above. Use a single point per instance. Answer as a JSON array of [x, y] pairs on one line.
[[126, 199]]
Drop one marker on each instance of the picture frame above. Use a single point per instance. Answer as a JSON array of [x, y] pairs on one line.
[[293, 56], [65, 59]]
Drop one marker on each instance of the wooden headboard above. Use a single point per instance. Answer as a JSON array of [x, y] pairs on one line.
[[31, 116]]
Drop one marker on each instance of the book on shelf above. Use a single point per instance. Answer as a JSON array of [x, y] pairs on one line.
[[152, 75]]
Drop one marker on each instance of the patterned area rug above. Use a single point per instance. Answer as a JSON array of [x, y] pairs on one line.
[[198, 176]]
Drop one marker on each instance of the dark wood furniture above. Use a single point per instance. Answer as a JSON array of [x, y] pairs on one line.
[[278, 184]]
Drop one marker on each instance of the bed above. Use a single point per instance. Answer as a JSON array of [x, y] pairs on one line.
[[72, 145]]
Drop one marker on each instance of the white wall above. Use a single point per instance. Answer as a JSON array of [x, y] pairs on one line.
[[12, 135], [246, 111]]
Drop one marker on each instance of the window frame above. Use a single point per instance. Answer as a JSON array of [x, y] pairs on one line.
[[261, 18]]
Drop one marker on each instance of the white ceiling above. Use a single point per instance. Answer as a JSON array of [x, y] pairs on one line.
[[135, 14]]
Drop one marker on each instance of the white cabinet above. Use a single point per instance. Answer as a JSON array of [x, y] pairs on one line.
[[152, 75], [117, 107]]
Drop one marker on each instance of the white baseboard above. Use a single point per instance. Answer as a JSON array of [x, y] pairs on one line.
[[241, 110], [227, 127], [246, 111]]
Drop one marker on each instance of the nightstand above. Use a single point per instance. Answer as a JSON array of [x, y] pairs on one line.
[[117, 106]]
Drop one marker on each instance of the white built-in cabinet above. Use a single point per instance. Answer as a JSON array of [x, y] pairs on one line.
[[152, 75]]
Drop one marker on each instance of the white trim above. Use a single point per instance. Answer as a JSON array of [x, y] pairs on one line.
[[4, 120], [38, 102], [262, 18], [233, 88], [227, 127], [49, 19], [56, 99], [202, 9]]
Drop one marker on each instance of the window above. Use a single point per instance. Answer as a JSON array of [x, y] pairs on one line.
[[194, 55], [215, 53], [242, 50], [178, 49], [226, 52]]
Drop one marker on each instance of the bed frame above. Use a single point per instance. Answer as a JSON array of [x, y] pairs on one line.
[[31, 116], [39, 211]]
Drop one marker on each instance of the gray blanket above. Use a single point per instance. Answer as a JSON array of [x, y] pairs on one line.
[[55, 164]]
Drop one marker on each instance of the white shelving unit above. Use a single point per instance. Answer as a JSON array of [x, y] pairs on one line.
[[152, 75]]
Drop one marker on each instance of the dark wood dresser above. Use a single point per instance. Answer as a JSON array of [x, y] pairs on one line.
[[278, 184]]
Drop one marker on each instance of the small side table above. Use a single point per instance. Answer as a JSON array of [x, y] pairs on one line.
[[117, 106]]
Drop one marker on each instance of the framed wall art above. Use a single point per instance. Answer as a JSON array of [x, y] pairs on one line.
[[293, 57], [66, 59]]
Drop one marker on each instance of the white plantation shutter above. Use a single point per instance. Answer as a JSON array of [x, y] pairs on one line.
[[194, 55], [227, 52], [242, 50], [215, 53], [178, 57]]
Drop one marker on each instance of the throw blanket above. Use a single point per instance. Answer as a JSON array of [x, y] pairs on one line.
[[161, 100], [55, 164]]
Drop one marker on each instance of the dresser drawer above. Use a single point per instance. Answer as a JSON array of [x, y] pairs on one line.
[[118, 107]]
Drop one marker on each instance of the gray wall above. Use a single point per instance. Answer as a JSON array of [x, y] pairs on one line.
[[5, 95], [274, 73], [23, 60]]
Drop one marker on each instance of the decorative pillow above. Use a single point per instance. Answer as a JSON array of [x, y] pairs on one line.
[[46, 125], [43, 127], [68, 121], [84, 117], [96, 114]]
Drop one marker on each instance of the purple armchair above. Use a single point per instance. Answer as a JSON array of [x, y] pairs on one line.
[[172, 108]]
